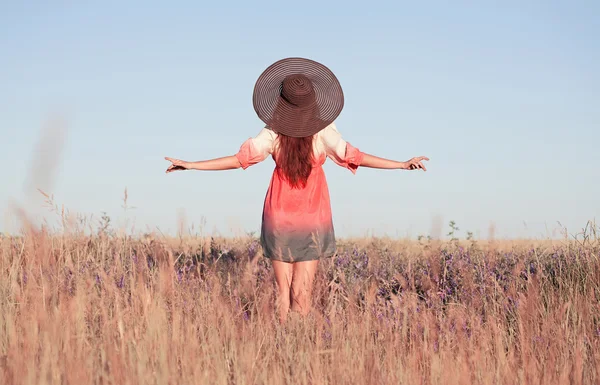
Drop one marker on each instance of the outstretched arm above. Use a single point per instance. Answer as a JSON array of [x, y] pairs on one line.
[[225, 163], [346, 155], [373, 161], [252, 151]]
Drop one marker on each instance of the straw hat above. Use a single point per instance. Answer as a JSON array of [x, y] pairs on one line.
[[297, 97]]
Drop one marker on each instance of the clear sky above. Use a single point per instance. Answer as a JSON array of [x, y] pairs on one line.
[[504, 97]]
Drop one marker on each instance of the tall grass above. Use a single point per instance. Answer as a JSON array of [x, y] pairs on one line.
[[104, 308]]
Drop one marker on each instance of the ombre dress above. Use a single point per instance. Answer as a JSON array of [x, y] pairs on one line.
[[297, 224]]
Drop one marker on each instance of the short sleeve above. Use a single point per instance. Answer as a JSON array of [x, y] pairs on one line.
[[257, 149], [340, 151]]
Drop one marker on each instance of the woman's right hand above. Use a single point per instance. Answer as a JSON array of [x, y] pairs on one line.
[[415, 163], [177, 165]]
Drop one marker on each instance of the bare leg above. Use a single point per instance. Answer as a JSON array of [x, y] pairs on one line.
[[283, 277], [302, 285]]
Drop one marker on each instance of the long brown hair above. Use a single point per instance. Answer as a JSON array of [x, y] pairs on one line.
[[294, 159]]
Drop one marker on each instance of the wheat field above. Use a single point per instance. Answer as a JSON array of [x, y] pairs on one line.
[[110, 308]]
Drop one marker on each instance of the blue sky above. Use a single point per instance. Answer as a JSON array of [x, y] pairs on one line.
[[504, 99]]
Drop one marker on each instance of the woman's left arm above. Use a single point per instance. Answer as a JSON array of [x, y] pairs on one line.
[[252, 151], [225, 163]]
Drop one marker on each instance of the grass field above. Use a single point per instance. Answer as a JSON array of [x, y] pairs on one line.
[[110, 309]]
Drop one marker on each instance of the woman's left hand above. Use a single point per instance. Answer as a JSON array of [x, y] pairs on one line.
[[177, 165]]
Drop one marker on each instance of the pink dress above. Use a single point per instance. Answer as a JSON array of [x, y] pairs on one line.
[[297, 223]]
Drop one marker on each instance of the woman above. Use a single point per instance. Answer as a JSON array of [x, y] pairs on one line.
[[298, 100]]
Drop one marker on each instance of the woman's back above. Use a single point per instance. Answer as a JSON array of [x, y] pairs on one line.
[[327, 143]]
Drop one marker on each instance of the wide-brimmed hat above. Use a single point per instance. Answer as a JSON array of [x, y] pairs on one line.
[[297, 97]]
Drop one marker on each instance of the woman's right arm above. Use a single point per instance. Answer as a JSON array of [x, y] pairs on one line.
[[346, 155], [373, 161]]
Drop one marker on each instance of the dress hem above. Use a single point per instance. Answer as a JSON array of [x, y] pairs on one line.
[[302, 260]]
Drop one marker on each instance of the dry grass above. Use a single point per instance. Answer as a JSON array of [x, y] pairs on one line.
[[108, 309]]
